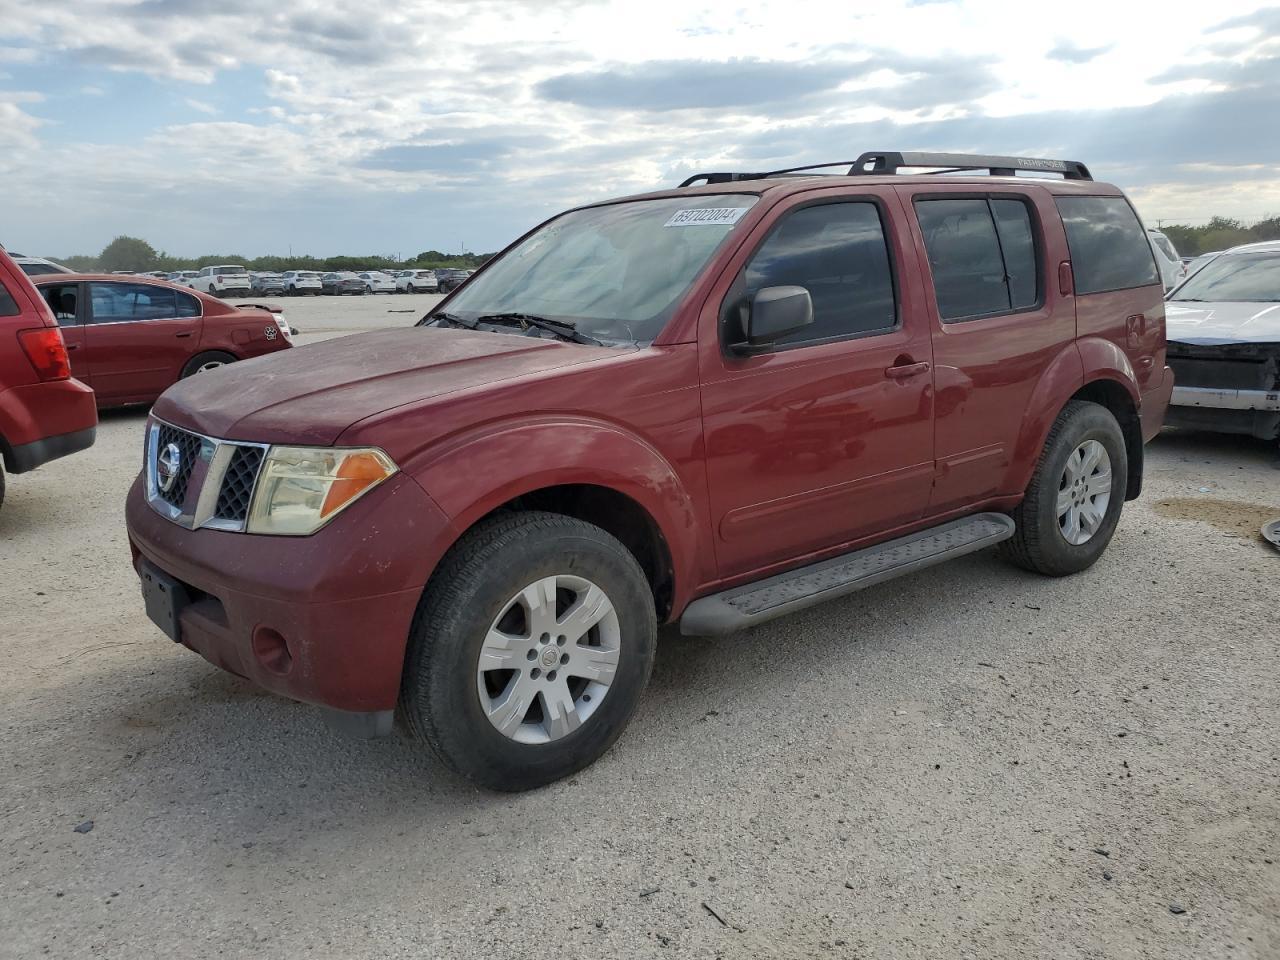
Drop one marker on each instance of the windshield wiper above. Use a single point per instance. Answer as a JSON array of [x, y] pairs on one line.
[[447, 318], [561, 328]]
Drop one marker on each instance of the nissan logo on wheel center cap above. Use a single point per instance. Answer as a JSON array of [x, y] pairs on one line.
[[550, 656], [168, 463]]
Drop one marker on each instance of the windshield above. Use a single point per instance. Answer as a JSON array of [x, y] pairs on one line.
[[615, 272], [1242, 277]]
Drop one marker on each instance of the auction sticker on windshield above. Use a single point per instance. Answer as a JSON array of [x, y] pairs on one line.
[[705, 216]]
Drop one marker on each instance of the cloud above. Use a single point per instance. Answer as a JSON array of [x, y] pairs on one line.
[[1070, 53], [678, 85], [201, 106]]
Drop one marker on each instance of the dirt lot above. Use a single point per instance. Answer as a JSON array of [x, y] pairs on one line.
[[971, 762]]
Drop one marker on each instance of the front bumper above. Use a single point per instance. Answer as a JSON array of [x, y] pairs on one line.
[[322, 619], [1226, 399]]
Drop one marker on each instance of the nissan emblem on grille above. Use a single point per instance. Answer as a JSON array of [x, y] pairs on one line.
[[168, 466]]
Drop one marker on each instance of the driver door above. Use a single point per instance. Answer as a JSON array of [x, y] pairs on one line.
[[827, 437]]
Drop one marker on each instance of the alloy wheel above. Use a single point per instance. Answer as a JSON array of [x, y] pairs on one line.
[[549, 659], [1084, 492]]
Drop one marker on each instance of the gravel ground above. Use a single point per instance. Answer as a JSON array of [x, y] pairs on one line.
[[969, 762]]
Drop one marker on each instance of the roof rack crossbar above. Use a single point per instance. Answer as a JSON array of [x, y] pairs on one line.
[[874, 163]]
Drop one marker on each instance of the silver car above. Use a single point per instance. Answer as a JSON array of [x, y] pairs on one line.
[[1223, 326]]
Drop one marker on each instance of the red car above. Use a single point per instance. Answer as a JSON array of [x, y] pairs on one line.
[[44, 413], [710, 406], [132, 337]]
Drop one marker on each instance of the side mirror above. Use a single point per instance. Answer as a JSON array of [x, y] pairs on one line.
[[775, 312]]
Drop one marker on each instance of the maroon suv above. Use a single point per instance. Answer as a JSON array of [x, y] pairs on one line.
[[44, 413], [712, 405]]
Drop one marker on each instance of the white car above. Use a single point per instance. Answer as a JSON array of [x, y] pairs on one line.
[[417, 281], [1172, 270], [183, 278], [375, 282], [224, 280], [1223, 328], [303, 283], [36, 266]]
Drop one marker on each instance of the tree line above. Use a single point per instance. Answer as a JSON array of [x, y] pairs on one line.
[[1219, 234], [138, 256]]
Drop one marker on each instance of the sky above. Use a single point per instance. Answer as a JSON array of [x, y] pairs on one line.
[[238, 126]]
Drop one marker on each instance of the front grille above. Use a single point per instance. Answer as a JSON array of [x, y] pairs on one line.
[[237, 484], [188, 446], [217, 496]]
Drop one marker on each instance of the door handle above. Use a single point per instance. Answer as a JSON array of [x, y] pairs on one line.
[[902, 371], [72, 346], [182, 336]]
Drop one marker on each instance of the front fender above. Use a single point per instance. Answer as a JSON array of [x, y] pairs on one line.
[[481, 470]]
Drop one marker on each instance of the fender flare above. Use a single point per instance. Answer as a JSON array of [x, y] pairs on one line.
[[1079, 363], [472, 474]]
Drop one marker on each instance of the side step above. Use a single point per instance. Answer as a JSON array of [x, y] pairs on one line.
[[753, 603]]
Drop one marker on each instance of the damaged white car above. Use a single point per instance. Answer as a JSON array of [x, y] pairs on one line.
[[1224, 344]]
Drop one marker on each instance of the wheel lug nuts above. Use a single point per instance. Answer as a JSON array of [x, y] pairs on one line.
[[551, 674], [561, 640], [564, 658], [545, 638], [535, 673], [532, 655]]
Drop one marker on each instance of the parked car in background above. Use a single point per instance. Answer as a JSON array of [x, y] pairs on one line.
[[300, 283], [376, 281], [417, 281], [1172, 269], [341, 283], [450, 280], [1193, 265], [1224, 344], [266, 284], [44, 412], [131, 338], [182, 278], [711, 405], [35, 266], [226, 280]]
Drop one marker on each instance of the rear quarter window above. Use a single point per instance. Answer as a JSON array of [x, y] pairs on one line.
[[1109, 247], [8, 305]]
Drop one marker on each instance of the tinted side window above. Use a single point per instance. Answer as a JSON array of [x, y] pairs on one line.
[[188, 306], [1109, 248], [1017, 243], [8, 306], [838, 253], [61, 298], [964, 257], [118, 302]]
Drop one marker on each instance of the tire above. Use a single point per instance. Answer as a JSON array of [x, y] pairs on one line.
[[481, 584], [1043, 539], [206, 361], [1, 486]]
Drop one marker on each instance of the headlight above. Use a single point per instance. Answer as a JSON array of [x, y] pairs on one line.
[[300, 489]]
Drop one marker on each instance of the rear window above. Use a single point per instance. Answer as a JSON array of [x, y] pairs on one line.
[[1109, 248]]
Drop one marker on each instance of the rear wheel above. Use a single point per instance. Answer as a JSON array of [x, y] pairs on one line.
[[203, 362], [1073, 503], [529, 651]]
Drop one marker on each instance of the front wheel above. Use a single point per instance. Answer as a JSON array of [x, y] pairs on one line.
[[530, 649], [1072, 506]]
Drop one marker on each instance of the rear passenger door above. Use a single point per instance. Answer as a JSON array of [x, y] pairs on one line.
[[138, 336], [997, 323]]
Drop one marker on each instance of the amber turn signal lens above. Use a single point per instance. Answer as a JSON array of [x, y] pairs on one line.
[[358, 472]]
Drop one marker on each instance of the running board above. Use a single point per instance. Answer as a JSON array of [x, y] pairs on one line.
[[753, 603]]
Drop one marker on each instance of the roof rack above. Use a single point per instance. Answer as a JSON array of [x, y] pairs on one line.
[[880, 163]]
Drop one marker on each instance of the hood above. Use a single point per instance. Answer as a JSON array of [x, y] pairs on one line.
[[1214, 323], [311, 394]]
